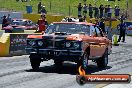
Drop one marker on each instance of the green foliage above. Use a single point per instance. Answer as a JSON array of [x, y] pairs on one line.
[[57, 6]]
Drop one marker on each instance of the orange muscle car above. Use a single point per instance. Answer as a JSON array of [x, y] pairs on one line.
[[69, 41]]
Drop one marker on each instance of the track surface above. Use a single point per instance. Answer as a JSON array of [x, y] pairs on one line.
[[16, 72]]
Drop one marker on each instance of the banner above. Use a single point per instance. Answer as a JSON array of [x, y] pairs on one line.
[[17, 43], [129, 28]]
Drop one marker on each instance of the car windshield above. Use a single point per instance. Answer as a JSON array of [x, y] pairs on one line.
[[19, 23], [23, 23], [71, 28]]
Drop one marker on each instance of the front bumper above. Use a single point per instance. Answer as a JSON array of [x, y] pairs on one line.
[[67, 55]]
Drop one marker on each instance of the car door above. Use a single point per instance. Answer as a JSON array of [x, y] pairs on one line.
[[97, 44]]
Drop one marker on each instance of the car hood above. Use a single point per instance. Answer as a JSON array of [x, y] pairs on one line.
[[10, 27], [71, 37], [63, 37], [34, 36]]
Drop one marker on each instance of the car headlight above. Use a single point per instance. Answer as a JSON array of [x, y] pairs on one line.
[[76, 45], [68, 44], [32, 43], [40, 43]]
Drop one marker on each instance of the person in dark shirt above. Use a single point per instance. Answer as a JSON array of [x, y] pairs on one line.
[[122, 26], [106, 11], [117, 11], [85, 7], [101, 11], [109, 11], [39, 7], [79, 10], [102, 25], [90, 11], [43, 11], [4, 22], [96, 13]]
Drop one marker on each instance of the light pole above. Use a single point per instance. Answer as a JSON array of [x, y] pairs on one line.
[[126, 8]]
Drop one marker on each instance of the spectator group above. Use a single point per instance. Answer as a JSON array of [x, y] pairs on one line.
[[97, 12]]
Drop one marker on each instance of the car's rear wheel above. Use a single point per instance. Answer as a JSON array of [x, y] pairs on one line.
[[35, 62], [103, 61]]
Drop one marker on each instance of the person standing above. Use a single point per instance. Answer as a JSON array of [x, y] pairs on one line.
[[43, 11], [85, 9], [101, 10], [39, 7], [4, 22], [96, 13], [90, 11], [42, 23], [106, 11], [9, 19], [109, 11], [122, 27], [79, 10], [117, 11], [102, 25]]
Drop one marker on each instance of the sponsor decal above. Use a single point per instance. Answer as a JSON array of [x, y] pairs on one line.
[[18, 42]]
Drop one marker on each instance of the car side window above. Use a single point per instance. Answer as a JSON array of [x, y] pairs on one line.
[[93, 31], [85, 29], [98, 32], [50, 29]]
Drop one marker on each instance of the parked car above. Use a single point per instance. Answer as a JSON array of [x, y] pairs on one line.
[[69, 41], [19, 25]]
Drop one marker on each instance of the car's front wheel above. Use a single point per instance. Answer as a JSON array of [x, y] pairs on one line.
[[35, 61], [83, 61], [103, 61]]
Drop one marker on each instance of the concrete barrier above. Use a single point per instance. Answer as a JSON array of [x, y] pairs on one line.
[[33, 17], [58, 18], [4, 44], [13, 43], [50, 18], [114, 24]]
